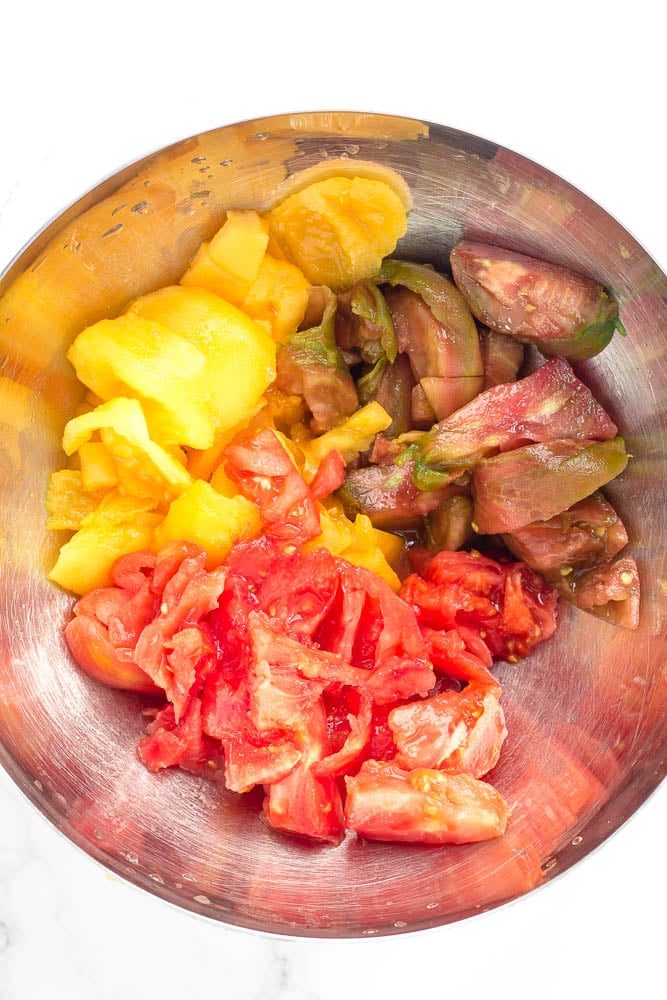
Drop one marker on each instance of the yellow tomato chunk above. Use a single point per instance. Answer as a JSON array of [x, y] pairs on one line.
[[366, 551], [230, 263], [124, 432], [278, 297], [214, 521], [337, 231], [240, 356], [119, 525], [350, 438], [98, 468], [358, 542], [67, 503], [140, 358]]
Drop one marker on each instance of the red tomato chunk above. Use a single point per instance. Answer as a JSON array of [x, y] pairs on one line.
[[295, 671]]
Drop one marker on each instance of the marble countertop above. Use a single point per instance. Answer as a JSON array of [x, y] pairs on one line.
[[79, 102]]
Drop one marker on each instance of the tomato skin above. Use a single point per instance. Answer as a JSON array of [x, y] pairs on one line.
[[385, 802], [550, 404], [89, 644]]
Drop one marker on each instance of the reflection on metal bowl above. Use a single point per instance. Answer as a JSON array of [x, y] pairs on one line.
[[586, 712]]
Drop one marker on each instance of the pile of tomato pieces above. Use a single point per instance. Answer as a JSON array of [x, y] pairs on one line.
[[353, 707]]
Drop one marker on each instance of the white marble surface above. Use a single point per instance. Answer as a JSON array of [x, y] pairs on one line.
[[80, 97]]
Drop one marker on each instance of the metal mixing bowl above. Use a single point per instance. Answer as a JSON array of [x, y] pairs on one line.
[[586, 712]]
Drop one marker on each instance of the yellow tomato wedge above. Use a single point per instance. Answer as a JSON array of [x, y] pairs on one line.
[[140, 358], [118, 526], [214, 521], [230, 262], [240, 356], [125, 434], [337, 231]]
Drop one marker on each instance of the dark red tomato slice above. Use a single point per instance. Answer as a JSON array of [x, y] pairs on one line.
[[587, 533], [454, 731], [610, 590], [385, 802], [265, 473], [304, 804], [549, 404], [545, 304], [538, 481]]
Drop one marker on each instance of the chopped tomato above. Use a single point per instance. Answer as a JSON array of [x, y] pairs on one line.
[[355, 745], [89, 644], [174, 663], [265, 473], [456, 731], [251, 758], [283, 692], [170, 743], [551, 403], [300, 591], [385, 802], [508, 605], [329, 476], [304, 803]]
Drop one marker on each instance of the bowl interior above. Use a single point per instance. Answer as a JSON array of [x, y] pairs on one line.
[[585, 712]]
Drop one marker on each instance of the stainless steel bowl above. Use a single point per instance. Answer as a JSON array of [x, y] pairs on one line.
[[586, 712]]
